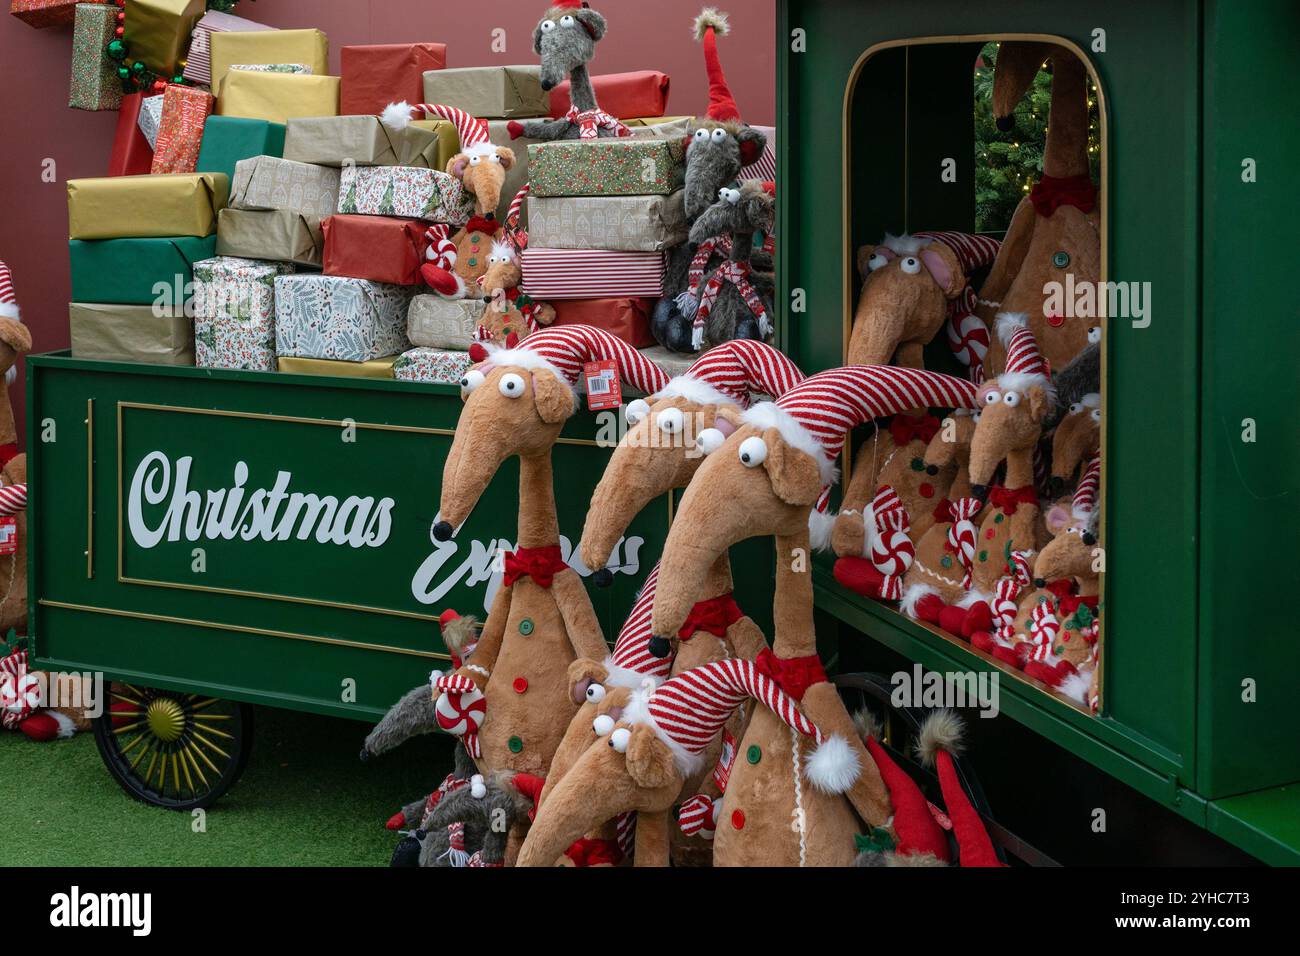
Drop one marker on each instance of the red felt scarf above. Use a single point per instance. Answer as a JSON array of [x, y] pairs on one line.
[[540, 564], [1051, 192], [714, 615], [1007, 500], [794, 675], [909, 428]]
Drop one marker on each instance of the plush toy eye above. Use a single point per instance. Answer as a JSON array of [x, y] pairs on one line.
[[511, 385], [636, 410], [1011, 398], [1094, 335], [1075, 408], [753, 451], [877, 261], [1096, 414], [701, 136], [494, 158], [474, 160], [718, 135], [992, 397], [470, 381], [975, 417], [595, 693], [710, 440], [548, 26], [567, 21], [602, 725], [619, 739], [729, 195], [1072, 530], [911, 265], [670, 421]]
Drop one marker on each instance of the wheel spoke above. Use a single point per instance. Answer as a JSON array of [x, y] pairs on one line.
[[189, 755], [148, 773], [205, 759], [208, 743], [212, 730], [126, 727], [132, 745]]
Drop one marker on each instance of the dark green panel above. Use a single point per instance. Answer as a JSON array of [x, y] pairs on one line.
[[1249, 518]]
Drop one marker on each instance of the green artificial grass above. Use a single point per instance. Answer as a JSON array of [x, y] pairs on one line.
[[305, 799]]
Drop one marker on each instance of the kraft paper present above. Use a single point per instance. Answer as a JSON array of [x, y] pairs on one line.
[[158, 32], [629, 166], [278, 235], [379, 248], [198, 62], [674, 363], [638, 94], [135, 271], [267, 46], [409, 191], [45, 13], [234, 313], [490, 92], [150, 119], [440, 323], [114, 207], [185, 109], [268, 182], [276, 97], [373, 368], [626, 318], [660, 127], [228, 139], [363, 141], [436, 366], [130, 333], [94, 84], [330, 317], [375, 75], [132, 155], [628, 223]]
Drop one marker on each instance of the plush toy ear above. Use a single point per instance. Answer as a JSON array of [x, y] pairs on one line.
[[457, 164], [712, 222], [866, 252], [649, 761], [1058, 518], [1038, 403], [945, 268], [795, 477], [727, 419], [16, 335], [592, 20], [760, 210], [752, 143], [507, 156], [554, 398], [582, 674], [537, 39]]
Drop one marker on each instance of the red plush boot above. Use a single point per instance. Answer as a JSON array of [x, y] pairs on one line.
[[928, 608], [859, 575], [979, 617], [1010, 655], [46, 725], [441, 281], [983, 641], [951, 619]]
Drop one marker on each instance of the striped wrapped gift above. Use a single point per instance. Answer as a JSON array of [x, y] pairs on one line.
[[592, 274], [764, 167], [198, 64]]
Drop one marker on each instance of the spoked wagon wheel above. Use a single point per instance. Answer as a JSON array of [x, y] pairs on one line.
[[171, 749]]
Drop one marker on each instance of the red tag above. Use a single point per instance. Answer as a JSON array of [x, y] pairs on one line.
[[940, 817], [603, 388], [9, 535], [722, 772]]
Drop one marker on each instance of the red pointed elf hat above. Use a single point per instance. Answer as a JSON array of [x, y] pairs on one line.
[[1023, 357], [730, 372], [917, 830], [940, 738], [709, 25], [565, 350], [8, 301]]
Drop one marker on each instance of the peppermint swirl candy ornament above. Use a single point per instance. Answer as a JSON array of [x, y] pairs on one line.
[[968, 337], [1043, 628], [1004, 606], [460, 709], [699, 815]]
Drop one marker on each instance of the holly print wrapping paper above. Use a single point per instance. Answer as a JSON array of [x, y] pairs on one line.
[[606, 167], [332, 317], [94, 84], [438, 366], [234, 313], [407, 191], [185, 110]]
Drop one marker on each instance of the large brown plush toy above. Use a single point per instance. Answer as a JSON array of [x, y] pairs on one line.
[[1055, 232], [15, 340], [541, 620]]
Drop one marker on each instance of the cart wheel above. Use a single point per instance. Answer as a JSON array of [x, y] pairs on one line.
[[173, 750]]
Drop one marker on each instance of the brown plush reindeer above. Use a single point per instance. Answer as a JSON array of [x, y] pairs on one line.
[[15, 341], [516, 403]]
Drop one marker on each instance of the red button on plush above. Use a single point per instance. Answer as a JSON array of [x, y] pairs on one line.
[[738, 819], [520, 685], [926, 490], [1056, 321], [989, 534]]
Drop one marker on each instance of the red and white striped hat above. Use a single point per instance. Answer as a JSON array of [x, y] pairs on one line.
[[566, 349], [8, 301], [1024, 361], [473, 132], [1084, 504], [728, 373], [631, 662], [687, 712]]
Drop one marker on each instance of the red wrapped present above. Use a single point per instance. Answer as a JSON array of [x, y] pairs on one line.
[[131, 154], [46, 13], [185, 110], [375, 75], [378, 248], [591, 273], [629, 319], [623, 95]]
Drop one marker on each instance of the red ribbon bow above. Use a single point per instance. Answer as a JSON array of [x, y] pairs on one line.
[[794, 675], [591, 852], [530, 785], [714, 615], [1072, 602], [540, 564], [1007, 500], [1052, 192], [7, 453], [908, 428], [483, 224]]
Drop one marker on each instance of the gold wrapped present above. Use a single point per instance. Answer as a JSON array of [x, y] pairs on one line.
[[276, 235], [309, 47], [275, 97], [365, 141], [158, 32], [131, 333], [146, 207], [490, 92], [373, 368], [448, 142]]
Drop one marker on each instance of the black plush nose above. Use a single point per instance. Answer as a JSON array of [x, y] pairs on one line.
[[442, 531], [490, 215], [660, 647], [365, 755], [932, 469], [980, 491], [1089, 538], [1007, 123], [547, 85], [1039, 582], [602, 578]]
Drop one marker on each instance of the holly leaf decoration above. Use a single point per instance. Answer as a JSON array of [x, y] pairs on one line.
[[879, 840]]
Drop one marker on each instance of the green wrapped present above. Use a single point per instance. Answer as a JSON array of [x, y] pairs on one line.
[[136, 271], [95, 85], [607, 167], [228, 139]]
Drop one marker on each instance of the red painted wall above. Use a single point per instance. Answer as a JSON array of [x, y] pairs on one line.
[[38, 125]]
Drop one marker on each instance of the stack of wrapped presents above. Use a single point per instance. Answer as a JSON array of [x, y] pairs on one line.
[[261, 214]]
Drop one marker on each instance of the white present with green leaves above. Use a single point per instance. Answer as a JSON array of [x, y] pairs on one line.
[[409, 191], [333, 317], [234, 312], [437, 366]]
